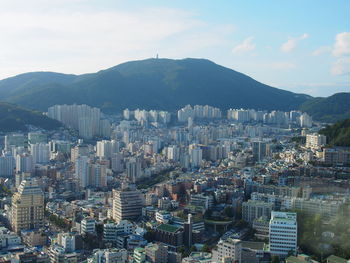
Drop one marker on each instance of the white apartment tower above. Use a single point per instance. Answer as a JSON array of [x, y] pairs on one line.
[[24, 163]]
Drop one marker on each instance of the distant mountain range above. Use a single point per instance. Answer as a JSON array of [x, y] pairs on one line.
[[152, 84], [14, 118], [330, 109]]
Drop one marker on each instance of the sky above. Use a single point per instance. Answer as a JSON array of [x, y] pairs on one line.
[[297, 45]]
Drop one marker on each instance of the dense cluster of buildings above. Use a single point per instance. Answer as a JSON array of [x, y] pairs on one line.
[[274, 117], [152, 189]]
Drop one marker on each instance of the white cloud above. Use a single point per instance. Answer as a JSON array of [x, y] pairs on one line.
[[341, 66], [321, 50], [341, 50], [342, 44], [82, 39], [292, 43], [245, 46], [280, 65]]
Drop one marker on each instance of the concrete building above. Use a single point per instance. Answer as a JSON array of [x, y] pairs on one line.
[[204, 201], [336, 155], [156, 253], [37, 137], [283, 233], [111, 255], [40, 153], [229, 248], [315, 140], [112, 230], [198, 257], [82, 171], [139, 255], [8, 238], [170, 235], [15, 140], [127, 204], [326, 208], [254, 209], [24, 163], [260, 150], [195, 153], [27, 206], [7, 165], [88, 226]]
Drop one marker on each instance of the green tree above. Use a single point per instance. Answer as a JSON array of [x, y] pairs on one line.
[[275, 259], [229, 211]]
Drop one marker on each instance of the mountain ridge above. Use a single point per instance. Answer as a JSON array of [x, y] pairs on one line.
[[166, 84], [329, 109], [14, 118]]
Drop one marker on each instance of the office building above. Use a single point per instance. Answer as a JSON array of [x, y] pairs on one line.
[[283, 233], [127, 204]]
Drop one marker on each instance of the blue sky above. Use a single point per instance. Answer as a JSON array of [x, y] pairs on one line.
[[302, 46]]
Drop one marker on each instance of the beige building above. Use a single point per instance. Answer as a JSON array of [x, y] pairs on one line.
[[156, 253], [315, 140], [229, 248], [127, 204], [27, 206]]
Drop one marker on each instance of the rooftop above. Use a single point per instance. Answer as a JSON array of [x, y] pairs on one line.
[[253, 245], [335, 259], [169, 228]]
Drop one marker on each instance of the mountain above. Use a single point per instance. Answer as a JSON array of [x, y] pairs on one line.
[[338, 134], [149, 84], [330, 109], [14, 118]]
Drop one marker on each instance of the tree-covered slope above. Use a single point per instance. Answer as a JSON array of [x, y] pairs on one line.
[[157, 84], [14, 118], [338, 134], [330, 109]]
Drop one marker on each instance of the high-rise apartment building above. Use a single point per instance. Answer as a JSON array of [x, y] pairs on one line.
[[85, 119], [196, 155], [260, 150], [24, 163], [27, 206], [7, 165], [133, 169], [37, 137], [40, 153], [315, 140], [97, 175], [105, 148], [14, 140], [82, 170]]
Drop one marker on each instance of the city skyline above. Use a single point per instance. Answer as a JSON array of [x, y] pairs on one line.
[[278, 45]]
